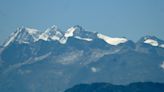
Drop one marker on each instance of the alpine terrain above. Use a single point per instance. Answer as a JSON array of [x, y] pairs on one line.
[[55, 60]]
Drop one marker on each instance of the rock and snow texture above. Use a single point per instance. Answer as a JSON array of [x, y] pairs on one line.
[[86, 39], [29, 35], [12, 37], [151, 42], [69, 32], [79, 33], [23, 35], [28, 62], [53, 33], [84, 53], [162, 65], [93, 69], [70, 57], [162, 46], [112, 41]]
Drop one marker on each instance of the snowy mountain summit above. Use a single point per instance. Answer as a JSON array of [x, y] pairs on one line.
[[152, 41], [23, 35], [54, 60], [29, 35]]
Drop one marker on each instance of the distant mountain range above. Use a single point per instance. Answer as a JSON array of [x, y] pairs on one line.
[[54, 60], [106, 87]]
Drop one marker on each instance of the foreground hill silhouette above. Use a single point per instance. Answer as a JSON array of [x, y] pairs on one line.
[[106, 87]]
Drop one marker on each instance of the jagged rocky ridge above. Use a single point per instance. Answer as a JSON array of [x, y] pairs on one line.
[[54, 60], [29, 35]]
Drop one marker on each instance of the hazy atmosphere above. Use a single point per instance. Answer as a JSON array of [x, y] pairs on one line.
[[82, 46], [116, 18]]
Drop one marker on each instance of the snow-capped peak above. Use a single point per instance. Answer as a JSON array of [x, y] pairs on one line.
[[11, 38], [79, 33], [31, 31], [74, 31], [53, 33], [69, 32], [112, 41], [151, 42], [30, 35], [23, 35]]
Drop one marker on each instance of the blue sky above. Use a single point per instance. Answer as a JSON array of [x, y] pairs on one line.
[[116, 18]]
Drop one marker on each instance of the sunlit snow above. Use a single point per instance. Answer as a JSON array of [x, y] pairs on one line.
[[112, 41], [151, 42], [86, 39], [69, 32], [162, 46], [31, 31]]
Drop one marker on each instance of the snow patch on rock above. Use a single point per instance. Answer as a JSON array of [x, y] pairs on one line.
[[69, 32], [151, 42], [93, 69], [86, 39], [112, 41]]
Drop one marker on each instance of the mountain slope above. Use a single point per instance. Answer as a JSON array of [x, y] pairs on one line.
[[54, 60]]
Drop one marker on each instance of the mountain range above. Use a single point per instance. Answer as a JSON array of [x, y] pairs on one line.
[[54, 60]]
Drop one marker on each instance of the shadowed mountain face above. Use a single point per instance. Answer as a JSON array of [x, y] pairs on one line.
[[106, 87], [31, 61]]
